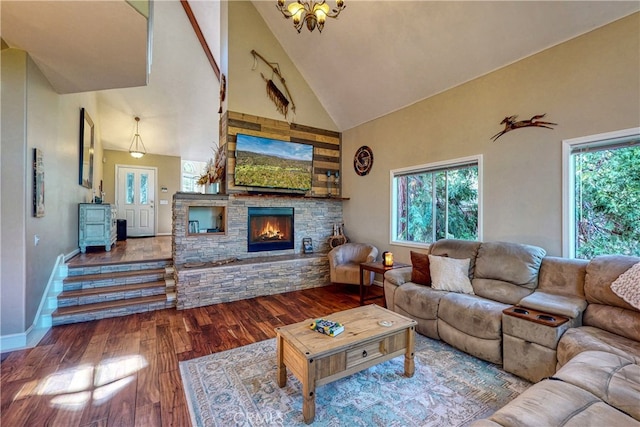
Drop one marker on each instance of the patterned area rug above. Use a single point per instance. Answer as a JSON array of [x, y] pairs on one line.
[[449, 388]]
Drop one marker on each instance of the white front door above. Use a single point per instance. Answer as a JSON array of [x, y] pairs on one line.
[[135, 195]]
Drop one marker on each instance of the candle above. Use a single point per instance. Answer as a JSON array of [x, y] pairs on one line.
[[387, 259]]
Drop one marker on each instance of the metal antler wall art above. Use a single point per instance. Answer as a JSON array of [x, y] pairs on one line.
[[510, 124], [282, 102]]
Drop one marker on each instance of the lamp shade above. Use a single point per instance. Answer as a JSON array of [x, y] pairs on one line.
[[137, 148]]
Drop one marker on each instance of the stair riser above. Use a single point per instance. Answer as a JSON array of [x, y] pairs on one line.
[[91, 284], [80, 271], [104, 314], [112, 296], [104, 291]]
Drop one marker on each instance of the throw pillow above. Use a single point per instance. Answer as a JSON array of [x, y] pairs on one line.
[[450, 274], [420, 273], [627, 286]]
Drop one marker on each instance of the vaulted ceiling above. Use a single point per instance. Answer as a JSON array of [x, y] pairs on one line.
[[376, 58], [380, 56]]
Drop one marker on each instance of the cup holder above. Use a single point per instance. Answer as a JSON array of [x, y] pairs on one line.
[[546, 317], [520, 311]]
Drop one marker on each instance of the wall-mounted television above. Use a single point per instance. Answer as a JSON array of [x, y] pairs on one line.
[[272, 163]]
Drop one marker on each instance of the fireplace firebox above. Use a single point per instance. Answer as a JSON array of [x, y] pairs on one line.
[[270, 229]]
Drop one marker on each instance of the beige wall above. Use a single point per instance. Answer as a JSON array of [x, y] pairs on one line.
[[587, 85], [34, 116], [246, 88], [13, 191], [169, 174]]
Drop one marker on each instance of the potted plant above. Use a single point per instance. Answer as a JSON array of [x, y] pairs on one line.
[[213, 172]]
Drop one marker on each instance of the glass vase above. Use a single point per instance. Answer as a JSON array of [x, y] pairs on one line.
[[212, 188]]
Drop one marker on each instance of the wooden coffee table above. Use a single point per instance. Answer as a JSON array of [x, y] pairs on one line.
[[317, 359]]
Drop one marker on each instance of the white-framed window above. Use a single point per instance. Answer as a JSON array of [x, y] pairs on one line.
[[191, 172], [601, 194], [435, 201]]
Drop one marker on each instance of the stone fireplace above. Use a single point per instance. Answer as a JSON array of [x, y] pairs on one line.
[[221, 264], [212, 268], [270, 229]]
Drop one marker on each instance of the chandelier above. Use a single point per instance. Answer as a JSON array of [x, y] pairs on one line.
[[137, 149], [309, 12]]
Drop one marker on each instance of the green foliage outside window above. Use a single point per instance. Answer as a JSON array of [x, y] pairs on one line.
[[607, 185], [439, 204]]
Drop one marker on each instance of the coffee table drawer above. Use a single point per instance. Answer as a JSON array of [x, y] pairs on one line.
[[372, 350], [365, 353]]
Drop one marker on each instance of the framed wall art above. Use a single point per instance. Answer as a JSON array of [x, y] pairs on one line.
[[86, 150], [307, 245], [38, 183]]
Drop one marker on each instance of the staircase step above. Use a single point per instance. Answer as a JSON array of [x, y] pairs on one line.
[[119, 274], [111, 293], [81, 270], [107, 305], [99, 291], [111, 279], [102, 310]]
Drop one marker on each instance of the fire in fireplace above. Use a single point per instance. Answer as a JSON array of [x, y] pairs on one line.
[[270, 229]]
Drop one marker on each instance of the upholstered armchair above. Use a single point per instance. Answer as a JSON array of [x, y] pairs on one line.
[[344, 262]]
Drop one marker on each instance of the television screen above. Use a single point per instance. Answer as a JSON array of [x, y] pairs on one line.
[[271, 163]]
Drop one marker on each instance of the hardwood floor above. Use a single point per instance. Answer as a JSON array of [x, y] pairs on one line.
[[124, 371], [132, 249]]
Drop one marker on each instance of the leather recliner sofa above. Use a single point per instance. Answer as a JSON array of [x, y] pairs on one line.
[[586, 371], [598, 380], [501, 275]]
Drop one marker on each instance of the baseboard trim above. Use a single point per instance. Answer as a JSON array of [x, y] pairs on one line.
[[42, 321], [25, 340], [13, 342], [71, 254]]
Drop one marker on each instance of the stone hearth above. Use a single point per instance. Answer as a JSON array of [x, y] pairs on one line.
[[249, 278]]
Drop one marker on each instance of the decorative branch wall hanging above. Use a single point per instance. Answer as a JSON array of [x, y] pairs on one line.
[[275, 94], [223, 91], [511, 124]]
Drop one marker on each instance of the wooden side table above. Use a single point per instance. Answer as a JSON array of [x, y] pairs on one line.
[[376, 267]]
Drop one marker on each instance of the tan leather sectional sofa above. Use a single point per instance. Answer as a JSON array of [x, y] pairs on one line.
[[586, 370]]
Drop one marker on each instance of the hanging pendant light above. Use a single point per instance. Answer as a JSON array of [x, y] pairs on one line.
[[137, 149], [309, 12]]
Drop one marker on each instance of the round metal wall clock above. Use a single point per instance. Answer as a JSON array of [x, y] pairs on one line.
[[363, 160]]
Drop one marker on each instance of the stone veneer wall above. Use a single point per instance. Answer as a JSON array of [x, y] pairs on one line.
[[257, 273], [197, 287], [313, 217]]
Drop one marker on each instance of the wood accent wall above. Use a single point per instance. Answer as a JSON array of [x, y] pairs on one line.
[[326, 150]]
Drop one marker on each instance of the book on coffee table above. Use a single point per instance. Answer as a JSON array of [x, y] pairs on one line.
[[327, 327]]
